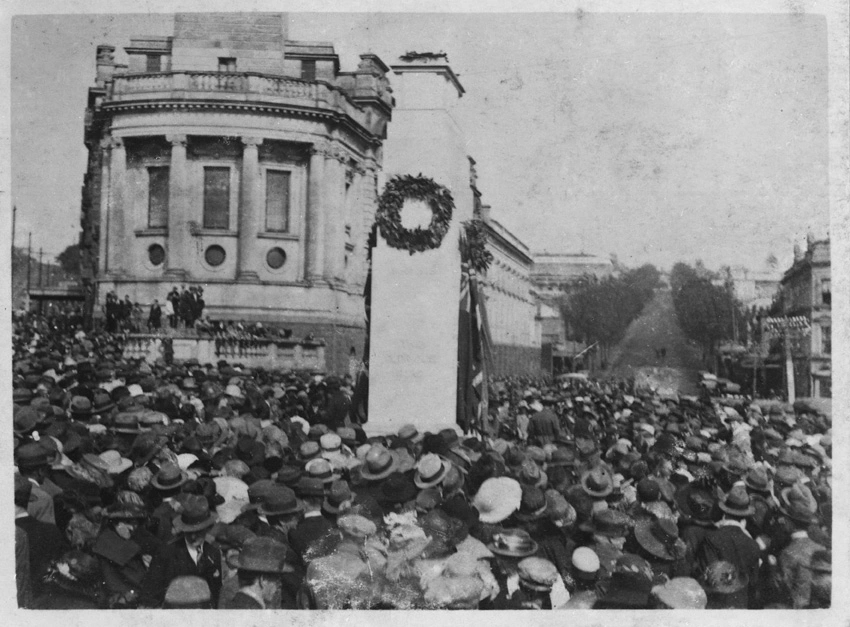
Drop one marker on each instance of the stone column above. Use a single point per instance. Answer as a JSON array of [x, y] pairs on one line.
[[117, 237], [103, 231], [334, 190], [316, 215], [250, 214], [178, 210]]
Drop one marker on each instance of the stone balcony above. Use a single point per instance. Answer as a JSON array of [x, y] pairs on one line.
[[238, 88], [272, 354]]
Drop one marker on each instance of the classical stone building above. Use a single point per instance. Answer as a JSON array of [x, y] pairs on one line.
[[807, 292], [511, 311], [232, 158]]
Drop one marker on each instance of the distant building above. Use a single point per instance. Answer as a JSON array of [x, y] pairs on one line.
[[754, 288], [232, 158], [511, 309], [807, 292], [556, 274]]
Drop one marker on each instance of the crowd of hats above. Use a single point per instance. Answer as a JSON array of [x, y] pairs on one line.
[[591, 518]]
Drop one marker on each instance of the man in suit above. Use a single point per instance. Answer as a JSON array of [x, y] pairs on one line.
[[261, 563], [313, 527], [798, 505], [46, 542], [187, 554], [731, 542]]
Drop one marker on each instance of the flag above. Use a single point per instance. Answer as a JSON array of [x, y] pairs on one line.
[[473, 353]]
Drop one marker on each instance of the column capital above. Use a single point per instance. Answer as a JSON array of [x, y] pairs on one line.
[[176, 140], [251, 141], [321, 147]]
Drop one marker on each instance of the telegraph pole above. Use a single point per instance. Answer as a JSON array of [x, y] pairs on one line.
[[40, 266], [29, 269], [14, 216]]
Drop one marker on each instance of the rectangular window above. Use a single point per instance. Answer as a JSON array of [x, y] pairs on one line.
[[277, 200], [826, 292], [226, 64], [216, 198], [826, 340], [153, 63], [308, 70], [157, 197]]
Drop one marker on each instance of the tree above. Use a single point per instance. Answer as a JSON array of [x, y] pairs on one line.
[[69, 259]]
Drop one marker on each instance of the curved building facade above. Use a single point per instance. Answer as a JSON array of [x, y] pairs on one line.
[[231, 158]]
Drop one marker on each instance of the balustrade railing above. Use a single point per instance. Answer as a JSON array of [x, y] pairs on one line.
[[318, 94]]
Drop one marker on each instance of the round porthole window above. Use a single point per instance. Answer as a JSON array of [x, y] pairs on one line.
[[276, 257], [215, 255], [156, 254]]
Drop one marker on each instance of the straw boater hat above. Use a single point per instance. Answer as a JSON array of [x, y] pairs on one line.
[[187, 591], [431, 470], [196, 515], [322, 470], [497, 498]]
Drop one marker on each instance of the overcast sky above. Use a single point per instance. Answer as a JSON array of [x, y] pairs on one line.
[[658, 137]]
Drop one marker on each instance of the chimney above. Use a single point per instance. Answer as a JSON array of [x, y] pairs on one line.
[[485, 212], [105, 64], [798, 253]]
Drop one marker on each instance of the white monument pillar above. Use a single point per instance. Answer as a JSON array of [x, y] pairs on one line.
[[414, 324]]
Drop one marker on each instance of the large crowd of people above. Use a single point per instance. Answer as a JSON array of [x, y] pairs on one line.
[[155, 485]]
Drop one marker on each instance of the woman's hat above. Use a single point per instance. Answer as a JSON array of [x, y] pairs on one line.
[[681, 593], [497, 498], [196, 515], [357, 526], [597, 482], [378, 464], [169, 477], [723, 577], [430, 471], [737, 502], [537, 573], [660, 537], [513, 543]]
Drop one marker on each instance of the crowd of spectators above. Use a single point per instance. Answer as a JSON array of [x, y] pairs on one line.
[[155, 485]]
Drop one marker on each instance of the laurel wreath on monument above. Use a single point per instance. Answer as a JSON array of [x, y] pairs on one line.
[[388, 215]]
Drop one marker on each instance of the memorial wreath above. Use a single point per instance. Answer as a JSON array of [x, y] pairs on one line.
[[388, 214]]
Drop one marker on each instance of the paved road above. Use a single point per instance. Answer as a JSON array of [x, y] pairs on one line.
[[657, 328]]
